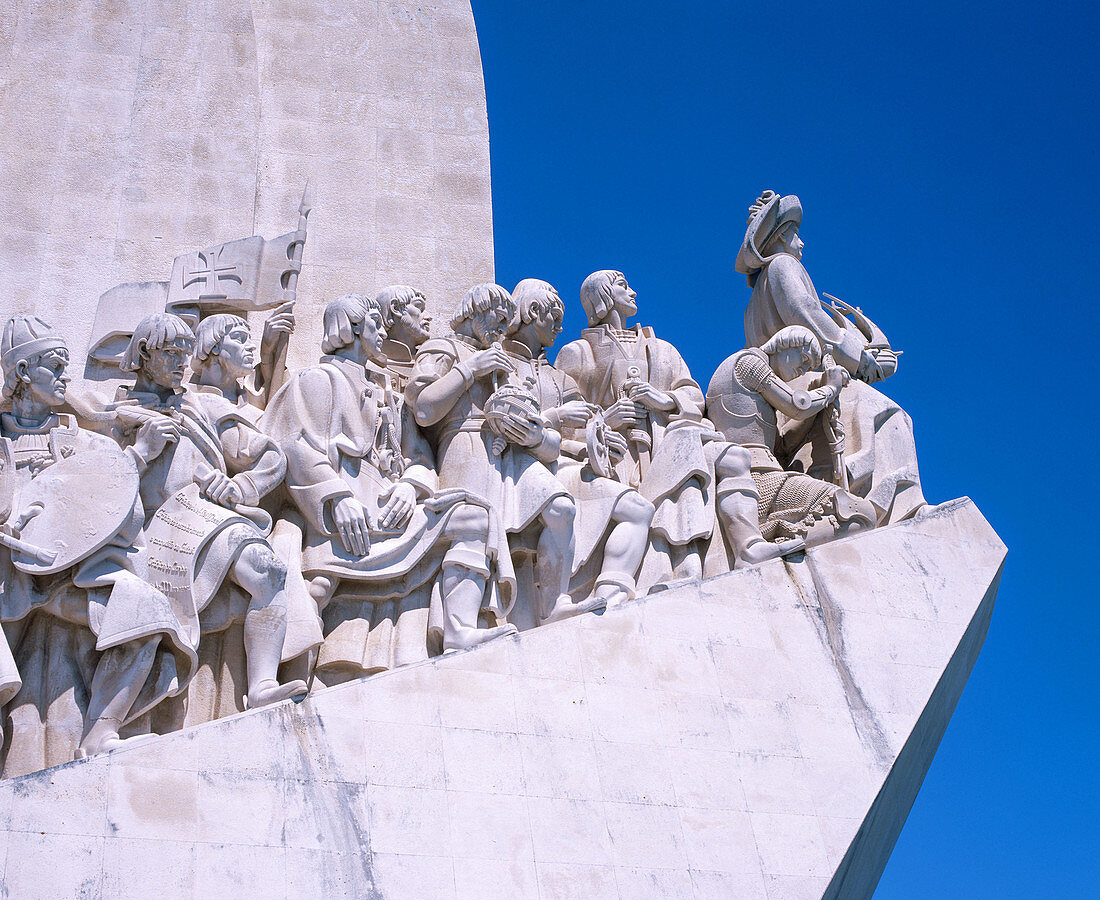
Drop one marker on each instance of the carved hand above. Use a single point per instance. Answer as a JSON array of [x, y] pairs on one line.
[[837, 377], [523, 432], [574, 414], [352, 526], [616, 446], [221, 489], [622, 413], [154, 435], [651, 398], [887, 361], [25, 516], [485, 362], [399, 509], [278, 328], [869, 370]]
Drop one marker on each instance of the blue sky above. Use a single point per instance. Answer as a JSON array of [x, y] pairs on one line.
[[946, 157]]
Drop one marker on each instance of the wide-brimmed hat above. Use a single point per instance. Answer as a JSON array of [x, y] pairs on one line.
[[24, 337], [767, 215]]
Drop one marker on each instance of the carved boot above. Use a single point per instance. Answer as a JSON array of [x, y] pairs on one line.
[[464, 577], [264, 631], [740, 518]]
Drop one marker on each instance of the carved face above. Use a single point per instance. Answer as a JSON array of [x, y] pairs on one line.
[[622, 297], [788, 241], [547, 323], [415, 323], [490, 326], [372, 335], [45, 379], [237, 351], [790, 363], [166, 366]]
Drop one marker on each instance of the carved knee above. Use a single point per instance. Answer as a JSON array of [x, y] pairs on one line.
[[259, 571], [468, 522], [560, 513], [734, 462], [633, 507]]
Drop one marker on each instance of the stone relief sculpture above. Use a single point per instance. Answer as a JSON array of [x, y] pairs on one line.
[[452, 393], [378, 520], [612, 520], [89, 643], [742, 400], [646, 392], [880, 452], [205, 531], [226, 531]]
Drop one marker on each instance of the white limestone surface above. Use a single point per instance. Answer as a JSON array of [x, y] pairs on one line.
[[761, 734], [136, 130]]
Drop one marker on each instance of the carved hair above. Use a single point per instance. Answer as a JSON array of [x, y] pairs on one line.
[[209, 335], [392, 301], [154, 333], [343, 318], [596, 294], [14, 386], [532, 296], [480, 298], [798, 337]]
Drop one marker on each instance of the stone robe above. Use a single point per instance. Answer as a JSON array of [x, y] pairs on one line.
[[596, 497], [210, 602], [518, 484], [880, 451], [675, 475], [347, 434], [56, 627]]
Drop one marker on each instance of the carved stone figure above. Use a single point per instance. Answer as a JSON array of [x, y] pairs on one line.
[[377, 523], [881, 455], [675, 459], [459, 385], [223, 363], [742, 400], [89, 644], [408, 325], [612, 521], [200, 493]]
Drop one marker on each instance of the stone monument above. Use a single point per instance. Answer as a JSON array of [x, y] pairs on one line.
[[353, 609]]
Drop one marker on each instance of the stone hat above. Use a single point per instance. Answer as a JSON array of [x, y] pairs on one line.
[[24, 337], [767, 215]]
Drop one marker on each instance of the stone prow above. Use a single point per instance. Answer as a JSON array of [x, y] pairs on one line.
[[759, 734]]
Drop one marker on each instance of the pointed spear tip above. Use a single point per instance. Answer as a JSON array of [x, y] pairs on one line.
[[307, 200]]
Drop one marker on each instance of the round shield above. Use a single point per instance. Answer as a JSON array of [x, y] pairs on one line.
[[599, 458], [85, 498]]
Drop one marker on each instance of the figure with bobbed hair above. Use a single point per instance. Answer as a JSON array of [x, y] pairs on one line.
[[612, 522], [743, 399], [675, 459], [454, 386], [381, 538], [201, 495], [88, 644]]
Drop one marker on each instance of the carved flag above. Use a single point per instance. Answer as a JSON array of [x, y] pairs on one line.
[[239, 276]]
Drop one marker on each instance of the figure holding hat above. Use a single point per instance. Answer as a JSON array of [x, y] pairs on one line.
[[94, 644], [881, 454]]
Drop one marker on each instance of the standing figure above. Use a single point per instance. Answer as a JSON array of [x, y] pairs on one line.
[[675, 459], [612, 517], [742, 400], [377, 525], [453, 389], [881, 453], [206, 534], [88, 644]]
